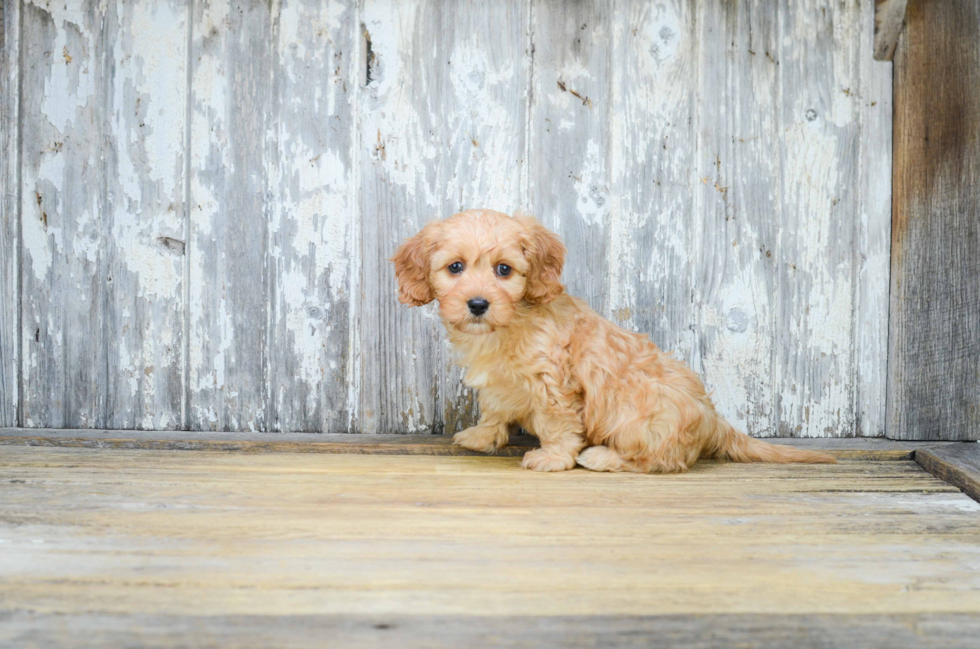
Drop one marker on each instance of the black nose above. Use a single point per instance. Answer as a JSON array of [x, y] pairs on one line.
[[478, 306]]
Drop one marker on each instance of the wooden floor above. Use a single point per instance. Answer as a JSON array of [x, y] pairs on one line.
[[204, 548]]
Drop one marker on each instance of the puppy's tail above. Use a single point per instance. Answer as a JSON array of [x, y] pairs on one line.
[[739, 447]]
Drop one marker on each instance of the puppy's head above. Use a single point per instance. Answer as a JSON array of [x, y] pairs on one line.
[[480, 265]]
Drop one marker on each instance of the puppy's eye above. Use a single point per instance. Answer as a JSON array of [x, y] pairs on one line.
[[456, 267], [503, 270]]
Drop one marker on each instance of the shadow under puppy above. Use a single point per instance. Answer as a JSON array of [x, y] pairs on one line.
[[592, 392]]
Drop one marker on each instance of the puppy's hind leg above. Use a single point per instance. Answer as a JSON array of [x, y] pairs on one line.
[[601, 458]]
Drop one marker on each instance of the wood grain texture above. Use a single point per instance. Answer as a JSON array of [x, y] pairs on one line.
[[889, 20], [144, 228], [380, 631], [934, 341], [219, 202], [570, 103], [325, 443], [872, 240], [653, 213], [66, 88], [819, 194], [9, 212], [737, 196], [957, 464], [341, 443], [222, 534], [442, 114], [312, 180], [233, 153]]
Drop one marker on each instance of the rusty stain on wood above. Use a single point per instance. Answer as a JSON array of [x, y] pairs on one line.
[[585, 100]]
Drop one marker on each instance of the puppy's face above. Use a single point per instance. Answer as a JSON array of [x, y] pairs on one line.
[[480, 265]]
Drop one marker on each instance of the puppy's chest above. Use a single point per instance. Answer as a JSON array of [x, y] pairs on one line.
[[493, 375]]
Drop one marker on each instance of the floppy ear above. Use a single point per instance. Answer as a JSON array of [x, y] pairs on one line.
[[412, 267], [546, 257]]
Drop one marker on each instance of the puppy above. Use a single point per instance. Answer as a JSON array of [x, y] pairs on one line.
[[593, 393]]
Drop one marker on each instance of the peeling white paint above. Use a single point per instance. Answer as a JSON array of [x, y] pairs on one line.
[[68, 88], [394, 134], [590, 186], [791, 339], [663, 33], [36, 240], [739, 353]]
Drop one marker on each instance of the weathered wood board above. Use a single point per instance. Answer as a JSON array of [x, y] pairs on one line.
[[64, 220], [313, 222], [853, 448], [101, 203], [188, 536], [934, 360], [957, 464], [209, 192], [380, 631], [442, 111], [737, 193], [9, 222], [889, 20], [145, 151], [233, 157]]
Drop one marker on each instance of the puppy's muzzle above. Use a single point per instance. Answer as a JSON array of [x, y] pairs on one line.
[[478, 306]]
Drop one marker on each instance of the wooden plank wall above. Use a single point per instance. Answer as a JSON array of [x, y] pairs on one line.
[[934, 375], [9, 223], [208, 192]]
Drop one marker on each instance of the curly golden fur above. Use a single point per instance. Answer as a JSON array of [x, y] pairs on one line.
[[593, 393]]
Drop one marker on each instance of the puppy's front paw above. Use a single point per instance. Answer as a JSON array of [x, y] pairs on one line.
[[480, 438], [541, 460]]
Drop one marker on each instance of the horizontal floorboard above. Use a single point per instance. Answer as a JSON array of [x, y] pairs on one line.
[[957, 464], [842, 448], [164, 548], [517, 632]]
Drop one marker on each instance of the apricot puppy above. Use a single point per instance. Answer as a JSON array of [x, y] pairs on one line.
[[593, 393]]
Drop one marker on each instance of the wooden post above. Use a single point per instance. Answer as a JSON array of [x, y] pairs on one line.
[[934, 325]]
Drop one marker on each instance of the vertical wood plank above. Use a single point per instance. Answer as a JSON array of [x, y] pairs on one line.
[[441, 128], [400, 191], [820, 129], [232, 153], [312, 188], [63, 200], [9, 223], [737, 192], [873, 237], [484, 114], [934, 341], [144, 223], [568, 172], [653, 139]]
